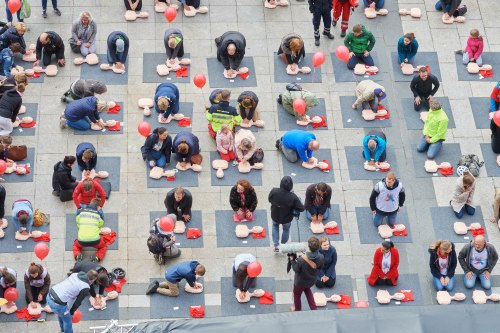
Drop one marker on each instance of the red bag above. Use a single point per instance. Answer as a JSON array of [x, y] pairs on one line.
[[327, 169], [182, 72], [116, 286], [321, 124], [117, 126], [400, 233], [244, 76], [109, 238], [193, 233], [24, 314], [408, 295], [345, 302], [267, 298], [45, 237], [184, 122], [28, 125], [486, 73], [476, 232], [197, 311], [332, 231], [115, 109], [260, 234]]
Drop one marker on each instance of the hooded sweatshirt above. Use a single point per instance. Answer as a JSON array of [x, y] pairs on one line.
[[10, 104], [361, 43], [62, 178], [283, 202], [436, 125], [305, 274], [474, 47], [387, 200]]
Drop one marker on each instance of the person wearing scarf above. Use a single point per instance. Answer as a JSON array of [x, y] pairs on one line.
[[443, 262]]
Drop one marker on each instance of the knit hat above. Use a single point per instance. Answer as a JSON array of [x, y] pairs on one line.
[[120, 45], [379, 93]]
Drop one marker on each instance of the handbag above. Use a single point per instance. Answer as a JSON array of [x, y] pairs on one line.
[[257, 157], [17, 153], [74, 47], [25, 11]]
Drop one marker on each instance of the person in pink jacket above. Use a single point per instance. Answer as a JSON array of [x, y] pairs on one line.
[[225, 143], [474, 49]]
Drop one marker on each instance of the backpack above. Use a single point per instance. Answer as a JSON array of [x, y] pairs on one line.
[[40, 218], [471, 162], [155, 244], [25, 11]]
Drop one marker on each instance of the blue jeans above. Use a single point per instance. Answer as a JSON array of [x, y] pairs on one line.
[[379, 219], [159, 162], [466, 59], [9, 14], [81, 124], [358, 58], [44, 4], [378, 3], [315, 210], [465, 209], [284, 235], [119, 56], [431, 148], [439, 286], [470, 283], [373, 105], [63, 315], [440, 8]]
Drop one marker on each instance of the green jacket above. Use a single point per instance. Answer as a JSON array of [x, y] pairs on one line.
[[361, 43], [89, 223], [436, 125], [288, 97]]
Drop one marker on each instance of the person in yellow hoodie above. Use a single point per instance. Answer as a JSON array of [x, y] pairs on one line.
[[222, 113], [435, 129]]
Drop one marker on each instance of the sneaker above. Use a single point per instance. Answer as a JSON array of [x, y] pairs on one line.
[[94, 258], [62, 122], [79, 257], [459, 52], [278, 144], [316, 42], [334, 24], [276, 250], [329, 35], [44, 14], [152, 287], [280, 99], [55, 193], [342, 33], [57, 11]]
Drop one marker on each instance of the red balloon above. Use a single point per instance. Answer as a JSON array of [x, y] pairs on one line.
[[199, 80], [361, 304], [496, 118], [3, 167], [144, 129], [41, 250], [77, 316], [11, 294], [167, 224], [318, 59], [170, 14], [342, 53], [254, 269], [299, 105], [14, 5]]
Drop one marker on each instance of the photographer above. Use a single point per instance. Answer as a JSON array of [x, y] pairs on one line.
[[306, 269]]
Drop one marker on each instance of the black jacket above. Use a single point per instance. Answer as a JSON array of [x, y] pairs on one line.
[[184, 205], [55, 45], [241, 109], [495, 130], [86, 266], [284, 202], [305, 275], [320, 5], [80, 149], [434, 263], [425, 88], [151, 141], [236, 38], [8, 84], [250, 199], [10, 104], [311, 194], [62, 178], [111, 43]]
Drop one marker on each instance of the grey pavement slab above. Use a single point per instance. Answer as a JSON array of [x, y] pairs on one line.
[[111, 220], [302, 228], [443, 219], [149, 74], [186, 108], [489, 58], [231, 307], [110, 312], [225, 228], [343, 286], [232, 175], [412, 117], [421, 58], [355, 162], [30, 161], [353, 119], [300, 174], [162, 306], [490, 161], [344, 74], [31, 111], [280, 74], [288, 122], [450, 152], [480, 110], [111, 164], [106, 116], [108, 77], [405, 282], [186, 178], [180, 239], [217, 79], [368, 234], [9, 244]]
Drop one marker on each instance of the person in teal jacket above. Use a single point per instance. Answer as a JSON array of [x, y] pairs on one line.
[[407, 48], [360, 42], [435, 129], [374, 145], [297, 144]]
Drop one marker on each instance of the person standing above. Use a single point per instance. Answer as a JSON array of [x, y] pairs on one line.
[[54, 6], [285, 205], [387, 198], [423, 85], [179, 201], [321, 9], [343, 7]]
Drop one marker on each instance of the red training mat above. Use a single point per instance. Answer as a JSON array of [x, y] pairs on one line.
[[182, 72], [197, 311], [321, 124], [45, 237], [267, 298], [345, 302], [116, 286], [408, 296], [193, 233], [260, 234], [117, 127], [115, 109], [332, 231]]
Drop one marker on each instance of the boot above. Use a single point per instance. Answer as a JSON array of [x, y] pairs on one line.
[[152, 287], [316, 42], [327, 33], [342, 33]]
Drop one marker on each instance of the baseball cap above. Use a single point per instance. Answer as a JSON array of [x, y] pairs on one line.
[[120, 45], [379, 93]]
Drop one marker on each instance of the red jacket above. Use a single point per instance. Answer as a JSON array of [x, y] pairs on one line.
[[82, 197], [495, 93], [377, 267], [474, 47]]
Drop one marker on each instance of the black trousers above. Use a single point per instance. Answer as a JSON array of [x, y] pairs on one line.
[[3, 193], [35, 291], [327, 20], [424, 103], [138, 8], [382, 282], [47, 55], [495, 145], [328, 284]]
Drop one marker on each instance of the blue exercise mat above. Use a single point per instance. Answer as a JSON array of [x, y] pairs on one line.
[[368, 233], [460, 287], [180, 239], [450, 152], [280, 74], [31, 111], [443, 219], [300, 174], [26, 178], [305, 231], [232, 175], [110, 312], [111, 164], [231, 306], [217, 79], [162, 306], [187, 178], [490, 161], [225, 229], [421, 58], [480, 110], [288, 122], [110, 221], [106, 116], [25, 64], [344, 74], [109, 77], [490, 58], [412, 117], [343, 286], [149, 74], [186, 108], [356, 160], [405, 282], [9, 244], [353, 119]]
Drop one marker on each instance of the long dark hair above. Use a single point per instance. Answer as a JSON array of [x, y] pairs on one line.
[[241, 274]]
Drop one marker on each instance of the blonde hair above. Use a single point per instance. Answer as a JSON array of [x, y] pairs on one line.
[[468, 179], [183, 147], [85, 14], [444, 245], [323, 239], [163, 103], [21, 78], [435, 105], [101, 105], [475, 34], [21, 26]]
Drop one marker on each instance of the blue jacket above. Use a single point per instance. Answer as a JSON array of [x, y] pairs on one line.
[[407, 51], [379, 150], [298, 140], [183, 270], [22, 205], [113, 55], [12, 36], [171, 92], [191, 140], [81, 108], [83, 146], [328, 268], [7, 61]]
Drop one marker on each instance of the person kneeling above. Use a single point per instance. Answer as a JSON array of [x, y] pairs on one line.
[[385, 266], [161, 241], [189, 270], [89, 222]]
